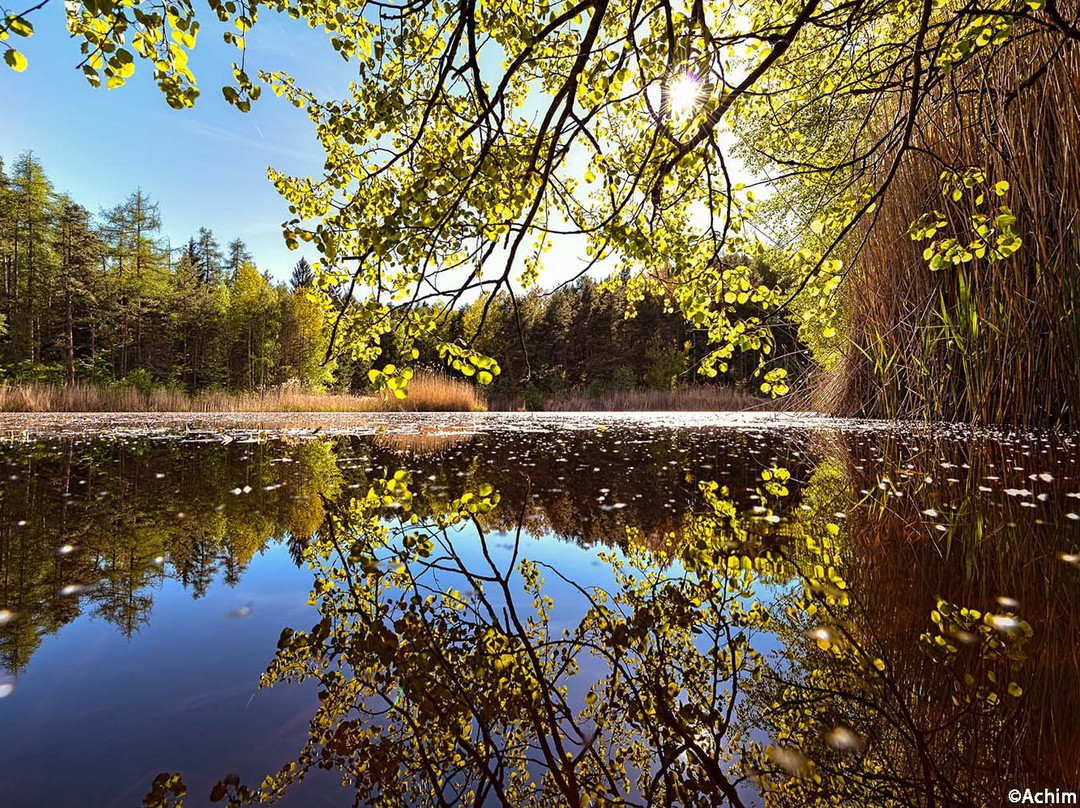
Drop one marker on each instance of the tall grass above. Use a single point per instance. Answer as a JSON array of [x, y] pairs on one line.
[[428, 392], [699, 398], [982, 342]]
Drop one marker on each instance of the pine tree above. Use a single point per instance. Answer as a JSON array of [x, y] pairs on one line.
[[302, 275], [208, 257], [32, 212], [238, 254], [79, 250]]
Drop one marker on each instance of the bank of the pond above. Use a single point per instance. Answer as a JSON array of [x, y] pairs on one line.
[[696, 398], [428, 392]]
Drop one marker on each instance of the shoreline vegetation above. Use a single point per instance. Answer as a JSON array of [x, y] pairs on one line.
[[700, 398], [99, 312], [428, 392]]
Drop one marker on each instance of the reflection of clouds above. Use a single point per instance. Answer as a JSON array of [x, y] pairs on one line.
[[242, 612]]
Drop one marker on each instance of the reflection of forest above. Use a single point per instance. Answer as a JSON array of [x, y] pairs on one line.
[[94, 526], [135, 511], [880, 692]]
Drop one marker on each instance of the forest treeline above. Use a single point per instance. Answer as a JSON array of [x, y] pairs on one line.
[[104, 298], [579, 341]]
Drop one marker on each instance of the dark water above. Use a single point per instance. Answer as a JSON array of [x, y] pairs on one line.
[[455, 610]]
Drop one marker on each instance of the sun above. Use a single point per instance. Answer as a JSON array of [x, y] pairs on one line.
[[684, 93]]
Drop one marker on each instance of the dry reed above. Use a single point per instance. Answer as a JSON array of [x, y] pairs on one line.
[[428, 392], [983, 342], [699, 398]]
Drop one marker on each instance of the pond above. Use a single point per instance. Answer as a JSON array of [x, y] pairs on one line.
[[528, 609]]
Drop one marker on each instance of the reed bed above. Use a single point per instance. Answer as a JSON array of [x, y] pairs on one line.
[[716, 399], [428, 392], [982, 342]]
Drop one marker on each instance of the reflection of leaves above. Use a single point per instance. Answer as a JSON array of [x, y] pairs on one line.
[[444, 677], [982, 651], [168, 790]]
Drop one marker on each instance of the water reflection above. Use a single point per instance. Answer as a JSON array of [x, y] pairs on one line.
[[94, 527], [739, 616]]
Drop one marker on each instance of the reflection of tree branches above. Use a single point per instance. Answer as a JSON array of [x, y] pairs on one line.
[[932, 730], [433, 696], [443, 681]]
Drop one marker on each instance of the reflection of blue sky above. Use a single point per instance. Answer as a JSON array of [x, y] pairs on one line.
[[181, 695]]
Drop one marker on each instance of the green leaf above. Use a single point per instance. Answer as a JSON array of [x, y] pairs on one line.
[[20, 26], [16, 61], [484, 377]]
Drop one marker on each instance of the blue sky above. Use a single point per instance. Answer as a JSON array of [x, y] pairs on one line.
[[205, 166]]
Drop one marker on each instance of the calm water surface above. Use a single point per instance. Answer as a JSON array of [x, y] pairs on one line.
[[329, 610]]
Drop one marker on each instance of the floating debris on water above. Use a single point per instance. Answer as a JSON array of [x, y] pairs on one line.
[[789, 759], [1005, 623], [844, 739], [822, 634]]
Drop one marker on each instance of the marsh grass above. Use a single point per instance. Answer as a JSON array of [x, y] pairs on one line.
[[983, 342], [428, 392], [701, 398]]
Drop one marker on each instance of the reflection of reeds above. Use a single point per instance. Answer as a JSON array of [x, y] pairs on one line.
[[983, 341], [976, 560], [422, 444], [428, 392]]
